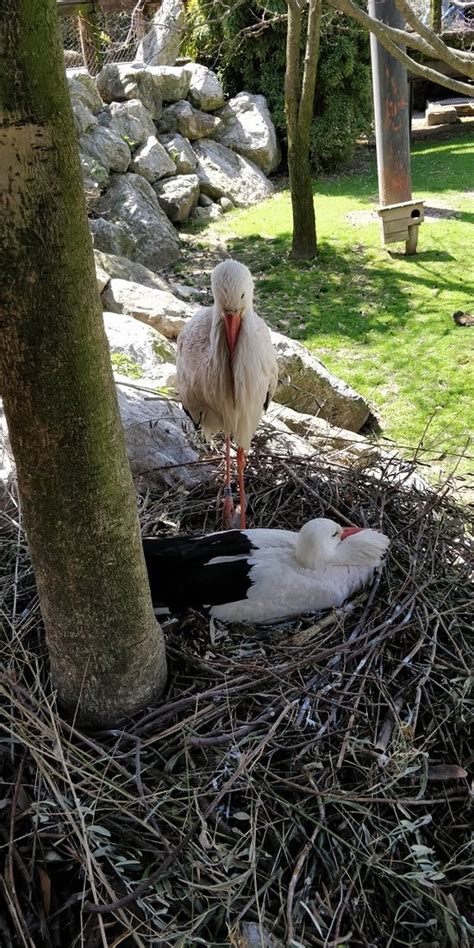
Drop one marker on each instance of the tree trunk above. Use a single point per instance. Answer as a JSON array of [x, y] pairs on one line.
[[76, 492], [299, 99]]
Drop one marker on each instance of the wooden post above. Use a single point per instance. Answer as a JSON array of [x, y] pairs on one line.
[[392, 113], [435, 15], [89, 35]]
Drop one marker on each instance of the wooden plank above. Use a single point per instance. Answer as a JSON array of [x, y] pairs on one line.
[[66, 8], [389, 207], [403, 217], [396, 238], [393, 227]]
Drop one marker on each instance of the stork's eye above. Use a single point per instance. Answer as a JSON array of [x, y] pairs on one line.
[[335, 533], [243, 294]]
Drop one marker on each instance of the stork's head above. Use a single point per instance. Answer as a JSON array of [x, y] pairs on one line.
[[232, 288], [323, 542]]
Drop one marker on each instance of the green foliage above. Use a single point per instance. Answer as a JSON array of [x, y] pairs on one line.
[[255, 62], [125, 365]]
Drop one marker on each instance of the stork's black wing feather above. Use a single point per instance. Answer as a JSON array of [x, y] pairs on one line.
[[180, 576]]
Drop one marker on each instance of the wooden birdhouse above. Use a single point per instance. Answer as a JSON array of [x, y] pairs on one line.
[[401, 222]]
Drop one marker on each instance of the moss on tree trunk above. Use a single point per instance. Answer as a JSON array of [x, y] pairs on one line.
[[76, 491]]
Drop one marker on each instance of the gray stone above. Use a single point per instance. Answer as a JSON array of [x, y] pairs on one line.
[[189, 122], [335, 444], [83, 87], [172, 82], [140, 349], [307, 386], [205, 90], [118, 82], [83, 117], [95, 178], [226, 204], [106, 147], [102, 277], [158, 309], [207, 213], [160, 47], [205, 201], [152, 161], [130, 120], [178, 196], [223, 173], [158, 450], [131, 202], [181, 152], [124, 269], [248, 129], [110, 238], [437, 114]]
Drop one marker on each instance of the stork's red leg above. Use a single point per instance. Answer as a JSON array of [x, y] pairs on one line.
[[240, 470], [228, 502]]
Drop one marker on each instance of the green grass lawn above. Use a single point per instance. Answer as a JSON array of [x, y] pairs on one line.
[[383, 322]]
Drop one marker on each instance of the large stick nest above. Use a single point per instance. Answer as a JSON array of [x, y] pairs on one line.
[[303, 784]]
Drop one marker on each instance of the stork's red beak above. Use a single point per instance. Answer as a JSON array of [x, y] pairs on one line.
[[232, 323], [349, 531]]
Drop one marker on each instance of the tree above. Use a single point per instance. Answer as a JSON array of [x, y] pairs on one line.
[[300, 83], [75, 487]]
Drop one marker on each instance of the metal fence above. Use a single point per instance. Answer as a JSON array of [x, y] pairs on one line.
[[97, 33]]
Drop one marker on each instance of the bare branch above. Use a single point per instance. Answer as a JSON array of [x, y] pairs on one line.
[[445, 53]]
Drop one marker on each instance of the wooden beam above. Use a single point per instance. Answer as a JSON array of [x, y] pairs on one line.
[[435, 15], [66, 8]]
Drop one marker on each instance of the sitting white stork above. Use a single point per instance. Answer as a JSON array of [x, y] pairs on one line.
[[262, 575], [227, 368]]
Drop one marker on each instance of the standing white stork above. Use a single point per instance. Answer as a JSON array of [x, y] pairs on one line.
[[227, 368], [262, 575]]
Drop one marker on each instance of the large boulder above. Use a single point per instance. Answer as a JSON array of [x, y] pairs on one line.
[[105, 147], [205, 90], [137, 348], [157, 308], [118, 82], [178, 196], [247, 128], [172, 82], [181, 152], [152, 161], [158, 450], [223, 173], [130, 120], [336, 444], [83, 117], [82, 87], [307, 386], [110, 238], [160, 46], [122, 268], [189, 122], [131, 202]]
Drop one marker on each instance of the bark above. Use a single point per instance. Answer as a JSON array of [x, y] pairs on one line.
[[299, 99], [76, 491]]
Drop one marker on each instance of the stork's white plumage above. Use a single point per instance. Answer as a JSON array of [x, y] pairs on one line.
[[226, 366], [263, 575]]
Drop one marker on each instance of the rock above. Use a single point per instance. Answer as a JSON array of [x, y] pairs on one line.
[[437, 114], [131, 202], [130, 120], [181, 152], [137, 347], [83, 117], [83, 87], [172, 82], [178, 196], [157, 308], [189, 122], [207, 213], [118, 82], [205, 90], [186, 292], [247, 128], [106, 147], [158, 450], [110, 238], [307, 386], [95, 178], [152, 161], [160, 47], [205, 201], [125, 269], [336, 444], [101, 276], [226, 204], [223, 173]]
